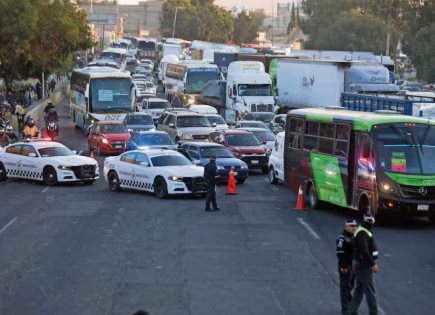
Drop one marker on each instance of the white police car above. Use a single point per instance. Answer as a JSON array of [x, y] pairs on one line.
[[163, 172], [46, 161]]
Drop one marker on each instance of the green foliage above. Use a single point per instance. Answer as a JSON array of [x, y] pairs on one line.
[[423, 55], [245, 29], [36, 35]]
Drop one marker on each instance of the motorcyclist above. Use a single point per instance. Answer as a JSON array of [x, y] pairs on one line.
[[48, 107], [10, 133], [30, 130], [4, 139], [52, 116]]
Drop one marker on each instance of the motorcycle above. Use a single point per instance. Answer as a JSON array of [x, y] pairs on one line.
[[52, 129]]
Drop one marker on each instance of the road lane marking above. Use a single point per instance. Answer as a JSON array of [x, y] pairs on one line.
[[8, 225], [309, 229], [45, 189]]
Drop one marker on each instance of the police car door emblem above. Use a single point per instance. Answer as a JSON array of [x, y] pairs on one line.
[[422, 191]]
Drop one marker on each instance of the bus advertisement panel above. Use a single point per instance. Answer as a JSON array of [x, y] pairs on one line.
[[99, 93], [371, 162]]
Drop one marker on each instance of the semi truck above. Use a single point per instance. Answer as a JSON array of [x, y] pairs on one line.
[[147, 48], [247, 89]]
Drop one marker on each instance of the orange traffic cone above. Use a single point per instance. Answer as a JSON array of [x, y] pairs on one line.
[[231, 190], [91, 154], [300, 203]]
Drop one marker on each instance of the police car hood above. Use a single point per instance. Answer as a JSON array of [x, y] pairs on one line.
[[182, 171], [73, 160]]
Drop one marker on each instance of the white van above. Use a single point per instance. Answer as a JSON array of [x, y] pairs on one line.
[[276, 160], [215, 119]]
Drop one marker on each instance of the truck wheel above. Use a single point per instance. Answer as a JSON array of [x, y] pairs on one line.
[[272, 178]]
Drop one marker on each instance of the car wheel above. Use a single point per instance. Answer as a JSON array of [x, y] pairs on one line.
[[313, 199], [265, 170], [49, 176], [241, 181], [272, 178], [3, 176], [160, 188], [113, 181]]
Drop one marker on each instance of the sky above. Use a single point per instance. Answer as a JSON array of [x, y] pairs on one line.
[[251, 4]]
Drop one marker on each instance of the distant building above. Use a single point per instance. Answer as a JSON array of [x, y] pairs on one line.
[[238, 9]]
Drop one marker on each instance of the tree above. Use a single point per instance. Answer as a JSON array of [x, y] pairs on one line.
[[423, 55], [258, 15], [245, 29]]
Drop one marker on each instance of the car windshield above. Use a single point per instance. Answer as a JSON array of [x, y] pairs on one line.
[[253, 124], [218, 120], [158, 105], [255, 90], [193, 121], [170, 160], [55, 151], [113, 128], [264, 135], [242, 140], [407, 149], [149, 85], [139, 120], [219, 152], [266, 117], [152, 139]]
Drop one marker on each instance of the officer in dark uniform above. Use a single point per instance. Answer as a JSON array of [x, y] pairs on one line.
[[364, 265], [344, 251], [210, 175]]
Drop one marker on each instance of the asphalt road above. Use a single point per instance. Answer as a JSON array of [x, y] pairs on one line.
[[77, 249]]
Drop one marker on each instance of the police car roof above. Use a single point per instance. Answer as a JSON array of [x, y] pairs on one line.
[[41, 143], [157, 152]]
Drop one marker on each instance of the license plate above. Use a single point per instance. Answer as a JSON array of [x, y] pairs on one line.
[[118, 146], [254, 162], [422, 207]]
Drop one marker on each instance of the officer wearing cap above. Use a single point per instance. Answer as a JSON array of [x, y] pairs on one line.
[[364, 265], [344, 250], [210, 175]]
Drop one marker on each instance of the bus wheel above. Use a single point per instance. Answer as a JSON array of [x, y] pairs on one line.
[[313, 199], [431, 217]]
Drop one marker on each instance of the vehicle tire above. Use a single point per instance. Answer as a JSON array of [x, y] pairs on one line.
[[265, 170], [241, 181], [160, 188], [49, 176], [3, 176], [312, 197], [272, 178], [113, 181]]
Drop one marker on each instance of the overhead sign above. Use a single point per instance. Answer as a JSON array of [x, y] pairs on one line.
[[102, 18]]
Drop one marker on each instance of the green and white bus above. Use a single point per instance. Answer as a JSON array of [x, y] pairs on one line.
[[370, 162], [100, 93]]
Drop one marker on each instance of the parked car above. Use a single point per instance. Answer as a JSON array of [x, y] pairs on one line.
[[200, 153], [151, 140], [106, 137], [139, 122], [245, 146], [276, 160]]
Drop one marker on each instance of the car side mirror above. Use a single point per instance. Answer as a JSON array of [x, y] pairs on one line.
[[171, 125], [32, 155], [213, 124], [144, 164], [74, 152], [196, 162]]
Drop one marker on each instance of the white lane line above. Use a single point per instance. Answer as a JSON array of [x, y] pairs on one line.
[[381, 310], [8, 225], [309, 229], [45, 189]]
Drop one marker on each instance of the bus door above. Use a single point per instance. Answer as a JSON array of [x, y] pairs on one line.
[[365, 169]]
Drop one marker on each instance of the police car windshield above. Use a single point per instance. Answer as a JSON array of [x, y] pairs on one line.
[[55, 151], [170, 160]]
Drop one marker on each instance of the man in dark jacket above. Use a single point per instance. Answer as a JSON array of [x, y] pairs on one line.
[[344, 250], [364, 265], [210, 176]]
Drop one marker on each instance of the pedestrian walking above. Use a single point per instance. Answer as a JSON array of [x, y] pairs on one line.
[[210, 175], [21, 113], [364, 265], [344, 250]]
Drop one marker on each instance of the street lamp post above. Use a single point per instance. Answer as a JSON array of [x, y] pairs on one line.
[[175, 21]]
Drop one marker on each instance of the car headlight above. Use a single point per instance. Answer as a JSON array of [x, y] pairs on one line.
[[130, 130], [186, 136], [97, 168], [244, 166], [104, 140], [152, 129], [64, 168], [176, 178], [388, 187]]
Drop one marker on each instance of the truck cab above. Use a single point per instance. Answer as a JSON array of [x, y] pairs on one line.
[[249, 89]]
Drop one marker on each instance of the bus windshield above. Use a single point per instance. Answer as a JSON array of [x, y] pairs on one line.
[[255, 90], [406, 148], [197, 79], [110, 95], [111, 56]]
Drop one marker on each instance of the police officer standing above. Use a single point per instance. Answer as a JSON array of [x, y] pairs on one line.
[[364, 265], [344, 249], [210, 175]]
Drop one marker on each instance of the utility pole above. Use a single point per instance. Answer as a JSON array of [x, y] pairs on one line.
[[387, 48], [175, 21], [273, 20]]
